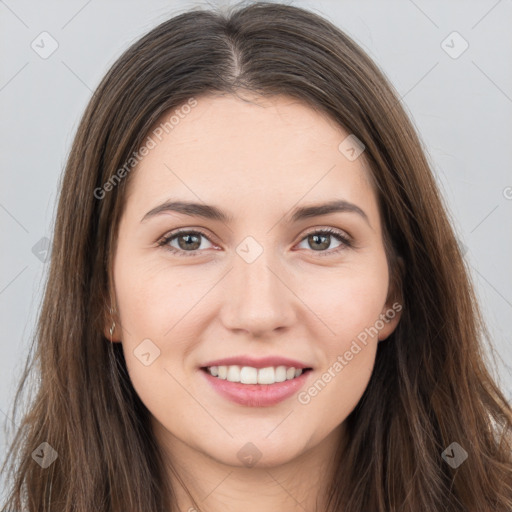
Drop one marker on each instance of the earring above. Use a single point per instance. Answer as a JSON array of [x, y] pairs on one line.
[[113, 327]]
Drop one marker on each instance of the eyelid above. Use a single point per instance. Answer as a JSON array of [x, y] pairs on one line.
[[165, 239], [342, 236], [347, 242]]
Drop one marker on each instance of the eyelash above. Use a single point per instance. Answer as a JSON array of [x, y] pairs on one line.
[[345, 241]]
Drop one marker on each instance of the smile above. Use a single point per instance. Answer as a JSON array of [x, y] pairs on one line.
[[250, 375], [254, 387]]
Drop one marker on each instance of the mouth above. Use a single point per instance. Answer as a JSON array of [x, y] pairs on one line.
[[255, 387], [250, 375]]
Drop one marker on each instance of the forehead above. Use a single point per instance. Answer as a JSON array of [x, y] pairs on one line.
[[259, 151]]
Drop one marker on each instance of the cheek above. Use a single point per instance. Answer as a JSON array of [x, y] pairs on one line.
[[157, 318], [350, 308], [150, 306], [338, 387], [349, 300], [151, 299], [349, 303]]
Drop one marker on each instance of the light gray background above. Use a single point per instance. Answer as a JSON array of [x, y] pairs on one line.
[[461, 107]]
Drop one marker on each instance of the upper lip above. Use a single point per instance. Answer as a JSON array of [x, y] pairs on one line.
[[263, 362]]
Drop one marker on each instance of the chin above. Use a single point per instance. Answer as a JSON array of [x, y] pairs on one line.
[[258, 453]]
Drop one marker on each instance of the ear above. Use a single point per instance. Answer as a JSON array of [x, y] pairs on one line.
[[392, 310], [390, 316]]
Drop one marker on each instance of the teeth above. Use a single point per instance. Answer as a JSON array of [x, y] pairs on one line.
[[223, 372], [233, 373], [266, 375], [280, 373], [250, 375]]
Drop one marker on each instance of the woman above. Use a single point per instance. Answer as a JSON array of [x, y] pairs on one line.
[[256, 300]]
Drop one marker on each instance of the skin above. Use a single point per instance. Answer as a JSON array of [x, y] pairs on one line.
[[257, 160]]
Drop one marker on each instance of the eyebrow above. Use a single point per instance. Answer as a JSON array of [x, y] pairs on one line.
[[213, 213]]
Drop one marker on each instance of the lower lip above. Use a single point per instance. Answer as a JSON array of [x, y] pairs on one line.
[[256, 395]]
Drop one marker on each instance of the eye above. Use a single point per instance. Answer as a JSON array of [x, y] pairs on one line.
[[321, 239], [189, 241]]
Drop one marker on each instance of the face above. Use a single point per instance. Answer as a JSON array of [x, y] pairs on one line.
[[270, 284]]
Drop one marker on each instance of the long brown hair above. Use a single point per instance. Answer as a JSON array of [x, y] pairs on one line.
[[430, 386]]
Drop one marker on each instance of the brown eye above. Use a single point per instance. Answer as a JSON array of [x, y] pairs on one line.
[[187, 242], [320, 241]]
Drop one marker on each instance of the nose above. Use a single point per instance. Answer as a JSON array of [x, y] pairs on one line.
[[258, 298]]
